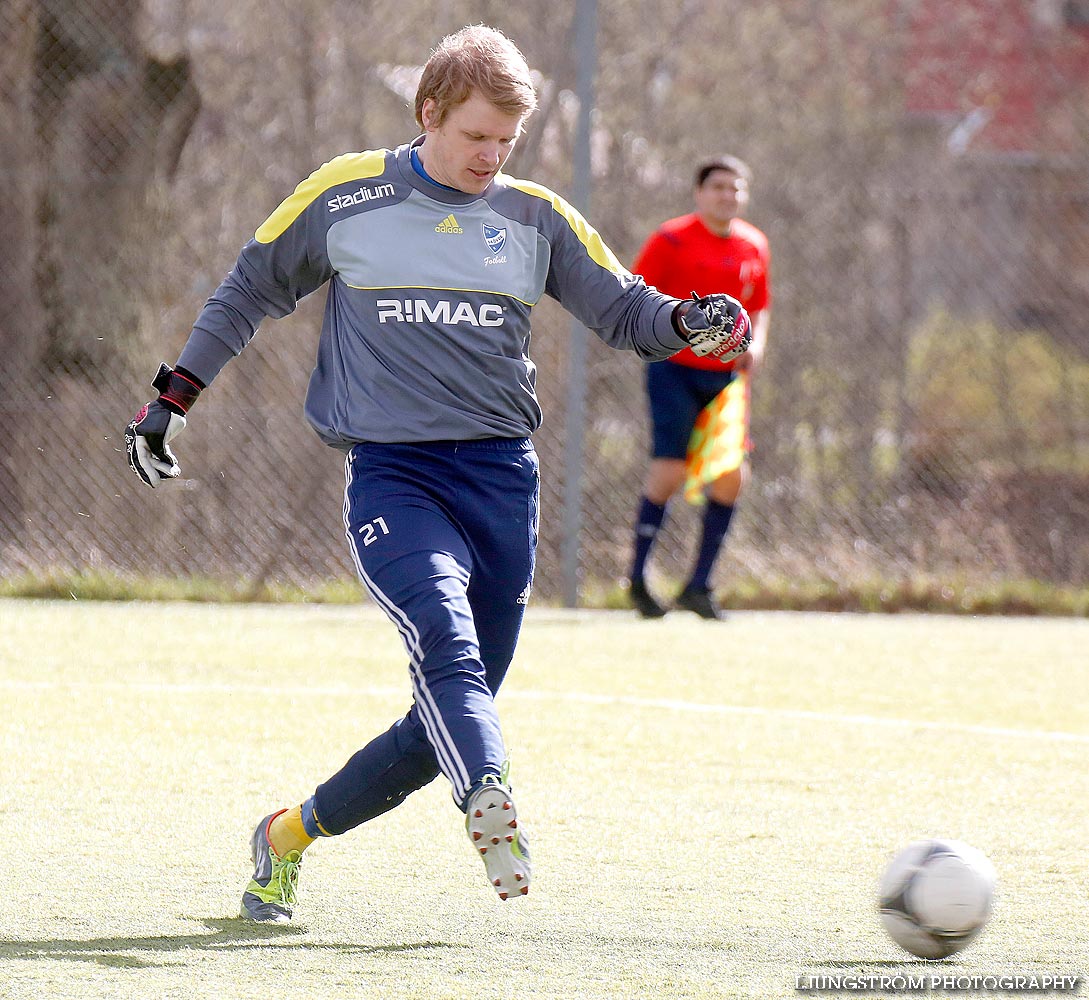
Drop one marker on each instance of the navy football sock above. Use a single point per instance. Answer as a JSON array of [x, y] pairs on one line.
[[716, 523], [648, 524]]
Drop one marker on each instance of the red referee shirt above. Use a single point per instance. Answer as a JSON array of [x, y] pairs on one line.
[[683, 256]]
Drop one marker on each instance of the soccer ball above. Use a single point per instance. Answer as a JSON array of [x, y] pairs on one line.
[[936, 896]]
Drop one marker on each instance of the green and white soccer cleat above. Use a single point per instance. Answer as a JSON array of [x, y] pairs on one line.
[[270, 896], [492, 823]]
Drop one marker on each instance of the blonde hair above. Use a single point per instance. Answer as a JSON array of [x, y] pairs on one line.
[[476, 58]]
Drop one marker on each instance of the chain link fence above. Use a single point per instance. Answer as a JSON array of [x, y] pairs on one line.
[[924, 409]]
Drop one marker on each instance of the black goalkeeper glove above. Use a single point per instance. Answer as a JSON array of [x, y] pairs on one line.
[[715, 326], [148, 436]]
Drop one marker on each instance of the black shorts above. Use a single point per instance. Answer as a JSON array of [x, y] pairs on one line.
[[676, 394]]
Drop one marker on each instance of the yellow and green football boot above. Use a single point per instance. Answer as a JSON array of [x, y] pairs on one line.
[[270, 896]]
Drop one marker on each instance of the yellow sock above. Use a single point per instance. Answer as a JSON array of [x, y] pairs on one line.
[[287, 833]]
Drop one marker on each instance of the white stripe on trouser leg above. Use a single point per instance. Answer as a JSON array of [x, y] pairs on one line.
[[446, 751], [448, 758]]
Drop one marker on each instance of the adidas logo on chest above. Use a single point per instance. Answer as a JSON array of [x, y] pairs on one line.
[[449, 225]]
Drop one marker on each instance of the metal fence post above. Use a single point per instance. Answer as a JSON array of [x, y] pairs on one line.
[[586, 59]]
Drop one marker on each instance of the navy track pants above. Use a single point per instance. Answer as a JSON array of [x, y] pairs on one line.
[[444, 537]]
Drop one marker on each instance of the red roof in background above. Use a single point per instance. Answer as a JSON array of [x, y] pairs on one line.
[[1015, 73]]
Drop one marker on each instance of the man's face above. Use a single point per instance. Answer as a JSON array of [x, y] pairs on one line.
[[471, 145], [720, 198]]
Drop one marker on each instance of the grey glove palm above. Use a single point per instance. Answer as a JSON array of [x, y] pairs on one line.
[[147, 441], [148, 435]]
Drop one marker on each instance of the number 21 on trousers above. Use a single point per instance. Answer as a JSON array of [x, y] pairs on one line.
[[370, 530]]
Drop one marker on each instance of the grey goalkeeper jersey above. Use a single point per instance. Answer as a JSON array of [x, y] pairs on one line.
[[426, 332]]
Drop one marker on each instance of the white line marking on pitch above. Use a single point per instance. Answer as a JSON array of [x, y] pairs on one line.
[[809, 716], [671, 704]]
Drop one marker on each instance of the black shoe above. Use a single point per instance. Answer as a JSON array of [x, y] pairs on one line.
[[702, 602], [646, 605]]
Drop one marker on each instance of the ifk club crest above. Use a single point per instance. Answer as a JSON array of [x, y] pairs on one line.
[[495, 238]]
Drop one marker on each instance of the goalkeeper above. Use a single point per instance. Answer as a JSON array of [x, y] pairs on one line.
[[432, 259], [712, 248]]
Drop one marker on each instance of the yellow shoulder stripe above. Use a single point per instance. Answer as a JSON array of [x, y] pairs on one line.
[[595, 246], [349, 167]]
